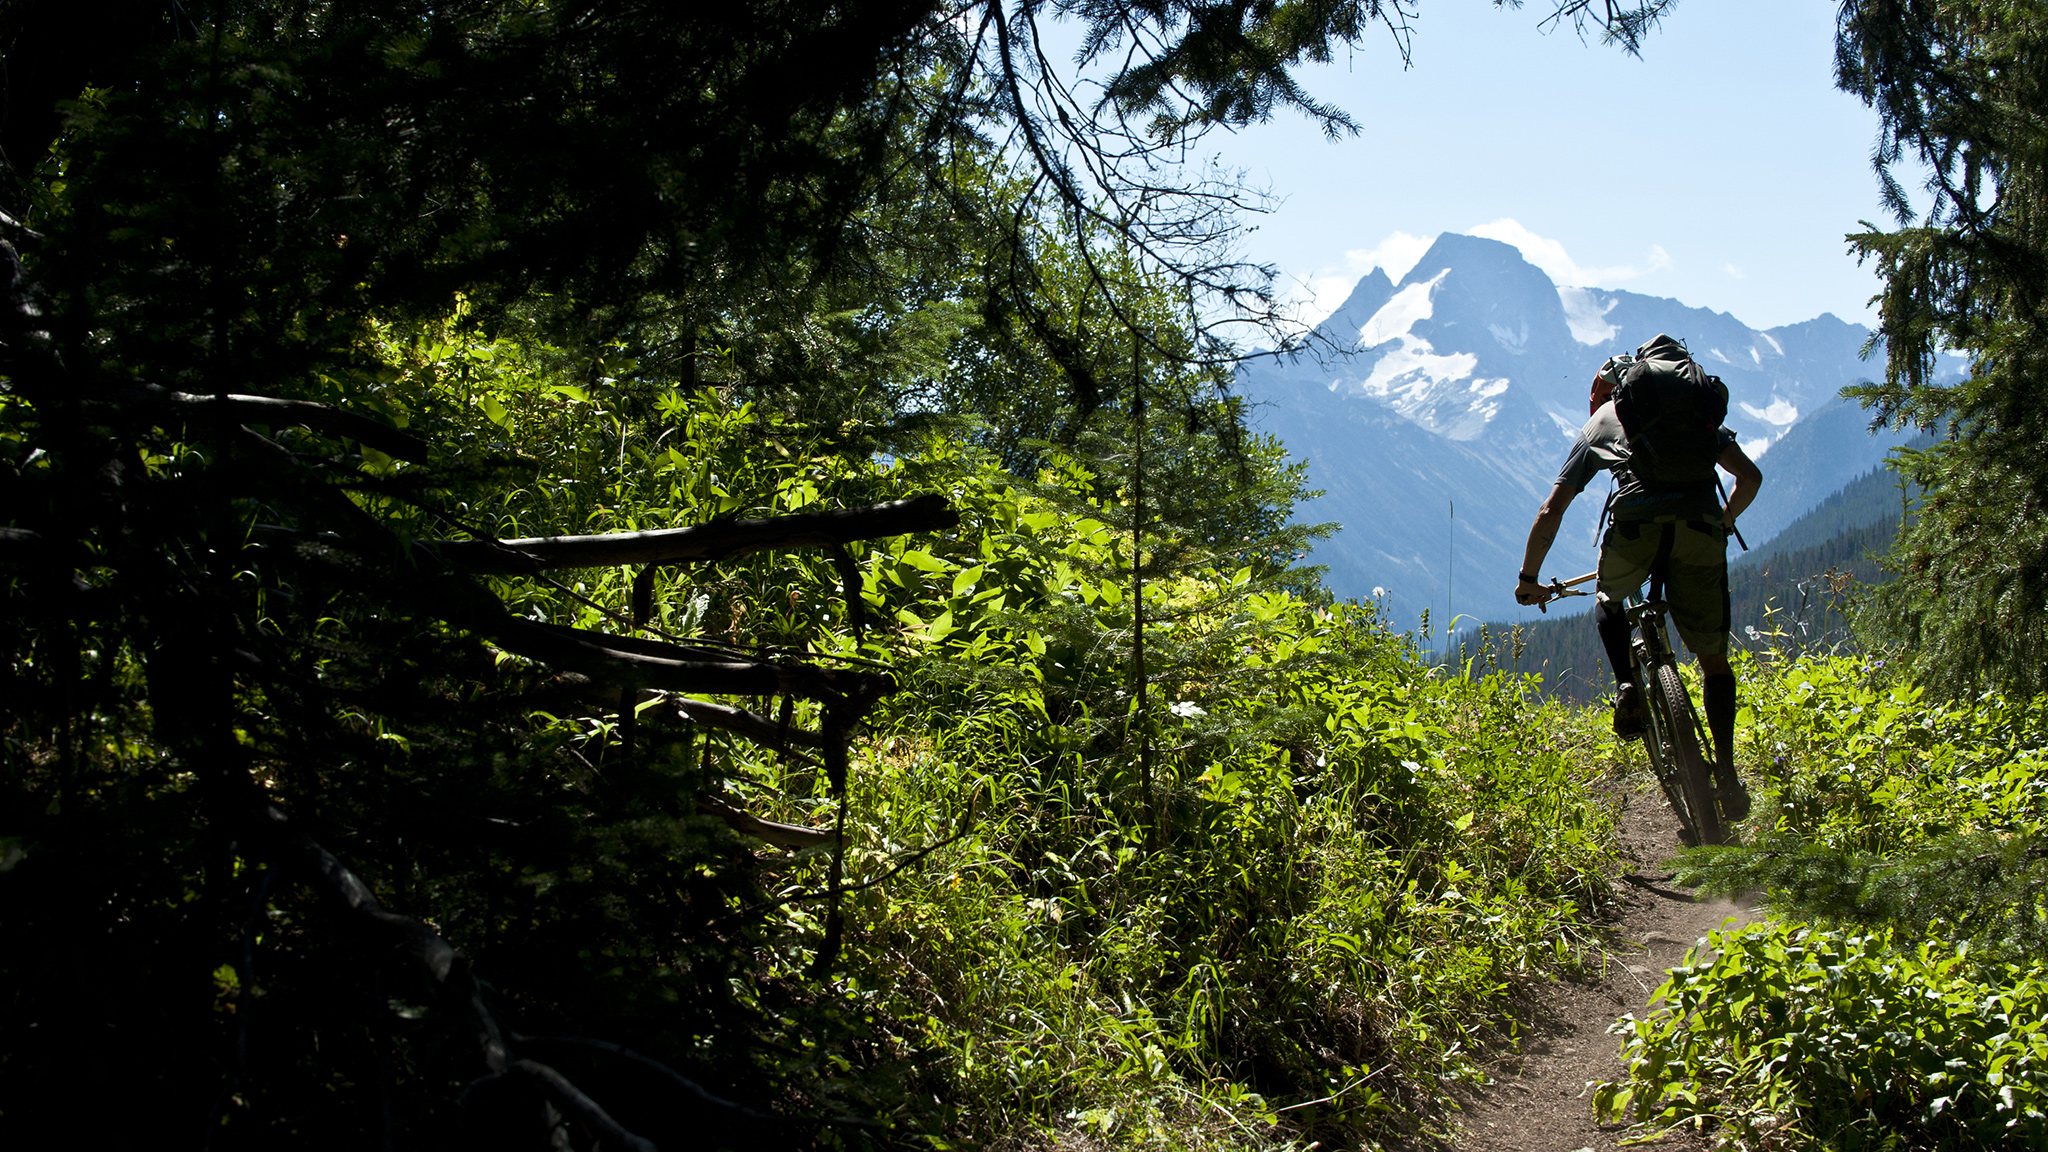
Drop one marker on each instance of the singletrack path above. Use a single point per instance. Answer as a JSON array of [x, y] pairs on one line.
[[1539, 1100]]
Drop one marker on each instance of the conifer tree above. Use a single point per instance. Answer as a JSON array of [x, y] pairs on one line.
[[1961, 91]]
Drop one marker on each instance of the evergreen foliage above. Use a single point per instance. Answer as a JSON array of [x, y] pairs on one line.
[[1958, 87]]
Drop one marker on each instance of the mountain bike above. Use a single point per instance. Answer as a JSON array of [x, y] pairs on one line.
[[1674, 736]]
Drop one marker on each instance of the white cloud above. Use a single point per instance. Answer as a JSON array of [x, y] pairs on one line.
[[1312, 296], [1396, 254], [1556, 263], [1732, 270]]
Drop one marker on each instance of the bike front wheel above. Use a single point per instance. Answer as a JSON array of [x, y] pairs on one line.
[[1682, 740]]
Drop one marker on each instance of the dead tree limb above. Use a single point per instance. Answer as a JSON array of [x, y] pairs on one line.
[[447, 968], [704, 542], [19, 543], [634, 663], [232, 409], [604, 658], [792, 836], [752, 725], [557, 1090], [689, 1087]]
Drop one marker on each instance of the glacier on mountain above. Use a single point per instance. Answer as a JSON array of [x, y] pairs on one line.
[[1586, 313], [1778, 412], [1398, 315], [1435, 390]]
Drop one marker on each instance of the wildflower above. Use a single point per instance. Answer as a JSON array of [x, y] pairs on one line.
[[1186, 710]]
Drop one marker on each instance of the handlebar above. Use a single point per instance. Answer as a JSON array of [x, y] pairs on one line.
[[1560, 588]]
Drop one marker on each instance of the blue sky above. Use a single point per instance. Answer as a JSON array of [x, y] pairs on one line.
[[1722, 168]]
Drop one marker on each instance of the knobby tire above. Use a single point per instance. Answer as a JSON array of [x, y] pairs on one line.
[[1662, 755], [1682, 737]]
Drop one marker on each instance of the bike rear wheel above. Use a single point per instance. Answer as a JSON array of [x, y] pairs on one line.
[[1663, 757], [1688, 764]]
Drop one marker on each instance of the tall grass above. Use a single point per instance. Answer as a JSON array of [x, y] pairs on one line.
[[1307, 924]]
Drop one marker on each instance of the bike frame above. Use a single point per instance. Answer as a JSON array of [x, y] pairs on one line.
[[1674, 733]]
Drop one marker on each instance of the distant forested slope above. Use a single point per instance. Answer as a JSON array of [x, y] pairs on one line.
[[1872, 498]]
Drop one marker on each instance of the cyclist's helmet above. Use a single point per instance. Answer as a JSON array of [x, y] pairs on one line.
[[1610, 372], [1607, 379]]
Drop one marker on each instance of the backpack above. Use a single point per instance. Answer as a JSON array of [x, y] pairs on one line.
[[1672, 412]]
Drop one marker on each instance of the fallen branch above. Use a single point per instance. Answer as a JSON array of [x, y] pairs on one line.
[[447, 968], [19, 543], [793, 836], [608, 659], [752, 725], [233, 409], [570, 1099], [705, 542], [629, 662], [906, 861], [690, 1087]]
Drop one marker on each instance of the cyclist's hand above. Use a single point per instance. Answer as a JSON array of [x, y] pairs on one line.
[[1530, 592]]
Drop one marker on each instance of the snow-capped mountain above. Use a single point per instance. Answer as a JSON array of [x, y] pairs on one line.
[[1461, 388]]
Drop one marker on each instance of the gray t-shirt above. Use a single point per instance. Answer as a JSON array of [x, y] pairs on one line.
[[1602, 446]]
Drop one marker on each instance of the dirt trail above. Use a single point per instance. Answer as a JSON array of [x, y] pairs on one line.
[[1539, 1101]]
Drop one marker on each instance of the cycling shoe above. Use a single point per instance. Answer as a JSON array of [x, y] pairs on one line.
[[1629, 717], [1734, 797]]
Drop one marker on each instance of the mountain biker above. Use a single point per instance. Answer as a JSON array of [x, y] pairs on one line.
[[1681, 528]]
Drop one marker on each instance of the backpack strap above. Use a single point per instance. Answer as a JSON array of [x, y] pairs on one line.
[[1723, 494]]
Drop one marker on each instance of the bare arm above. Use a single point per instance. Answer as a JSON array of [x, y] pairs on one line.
[[1748, 479], [1542, 534]]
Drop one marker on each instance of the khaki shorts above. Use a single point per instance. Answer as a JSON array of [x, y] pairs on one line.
[[1696, 580]]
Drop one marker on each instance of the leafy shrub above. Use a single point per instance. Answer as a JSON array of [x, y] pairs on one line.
[[1283, 894], [1861, 763], [1910, 1014], [1289, 897], [1798, 1036], [1893, 809]]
